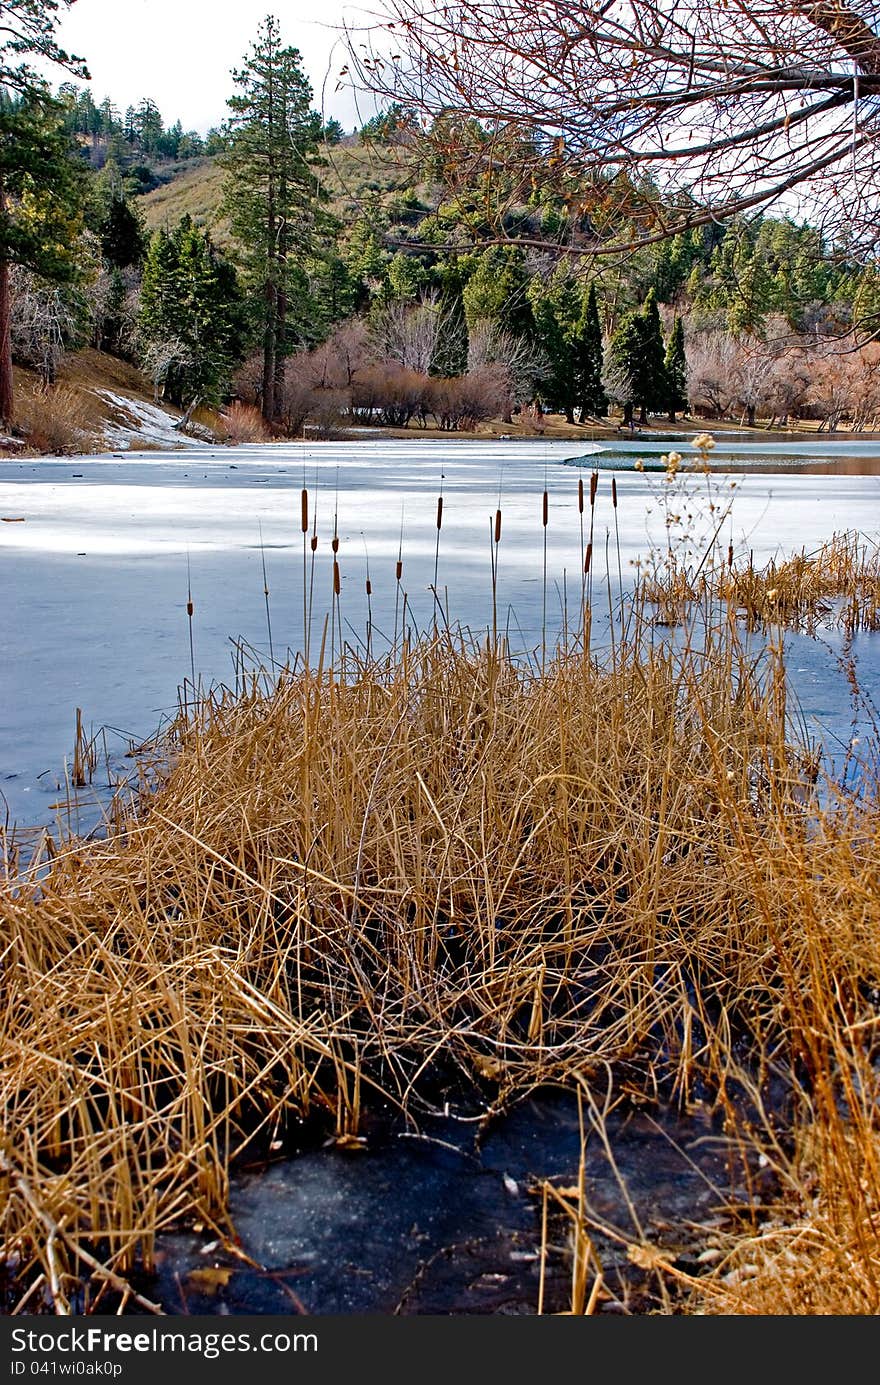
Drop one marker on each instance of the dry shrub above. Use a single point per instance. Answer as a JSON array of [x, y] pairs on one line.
[[296, 397], [463, 401], [248, 381], [243, 423], [59, 420], [328, 411]]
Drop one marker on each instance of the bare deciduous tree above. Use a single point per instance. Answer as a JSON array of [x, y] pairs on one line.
[[661, 114], [408, 333], [43, 320], [518, 357]]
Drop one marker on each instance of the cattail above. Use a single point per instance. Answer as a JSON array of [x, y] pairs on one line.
[[336, 583], [398, 569], [497, 526], [439, 511], [545, 511], [304, 516], [581, 495], [594, 486], [614, 491], [730, 555], [190, 608], [369, 587], [588, 563], [335, 544], [314, 543]]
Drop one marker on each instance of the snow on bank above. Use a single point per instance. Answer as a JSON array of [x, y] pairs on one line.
[[140, 424]]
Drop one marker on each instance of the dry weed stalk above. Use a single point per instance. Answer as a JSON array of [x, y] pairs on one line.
[[439, 875]]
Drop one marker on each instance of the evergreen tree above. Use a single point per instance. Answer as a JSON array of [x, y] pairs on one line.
[[676, 371], [498, 291], [652, 389], [591, 396], [41, 205], [192, 323], [271, 193], [624, 355], [638, 357], [551, 303], [121, 232], [40, 192]]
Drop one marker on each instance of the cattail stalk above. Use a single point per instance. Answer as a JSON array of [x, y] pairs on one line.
[[266, 598], [545, 515]]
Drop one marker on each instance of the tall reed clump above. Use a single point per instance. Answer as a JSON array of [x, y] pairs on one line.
[[444, 879]]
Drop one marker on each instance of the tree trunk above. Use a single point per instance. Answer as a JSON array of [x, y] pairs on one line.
[[7, 403], [569, 414], [750, 415], [643, 415], [280, 343], [671, 415], [7, 400], [269, 354], [627, 415]]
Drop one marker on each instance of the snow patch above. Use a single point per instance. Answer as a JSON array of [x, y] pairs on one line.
[[141, 424]]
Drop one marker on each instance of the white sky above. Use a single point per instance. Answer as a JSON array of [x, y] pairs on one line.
[[180, 52]]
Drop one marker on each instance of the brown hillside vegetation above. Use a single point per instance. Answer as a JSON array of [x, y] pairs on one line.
[[353, 176], [71, 417]]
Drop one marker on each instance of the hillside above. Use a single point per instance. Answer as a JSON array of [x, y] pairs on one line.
[[99, 404], [355, 176], [197, 191]]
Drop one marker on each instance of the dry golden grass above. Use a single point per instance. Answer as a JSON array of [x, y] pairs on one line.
[[58, 420], [445, 872], [242, 423], [345, 886], [838, 582]]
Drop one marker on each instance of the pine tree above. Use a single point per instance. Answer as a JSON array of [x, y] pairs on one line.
[[41, 207], [192, 321], [40, 186], [498, 291], [271, 193], [120, 230], [624, 356], [551, 303], [652, 383], [676, 371], [638, 358], [591, 396]]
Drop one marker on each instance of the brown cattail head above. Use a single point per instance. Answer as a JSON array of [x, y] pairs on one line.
[[594, 486], [730, 555], [189, 608], [439, 511], [399, 569], [369, 587], [588, 563], [314, 543], [335, 544], [497, 526], [545, 510], [336, 582], [614, 491], [304, 516], [580, 495]]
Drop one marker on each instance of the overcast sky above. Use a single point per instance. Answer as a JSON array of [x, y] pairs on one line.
[[180, 52]]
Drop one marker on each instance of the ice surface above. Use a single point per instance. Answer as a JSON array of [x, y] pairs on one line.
[[95, 572]]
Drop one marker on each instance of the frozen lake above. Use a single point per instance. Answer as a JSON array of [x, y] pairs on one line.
[[96, 554]]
